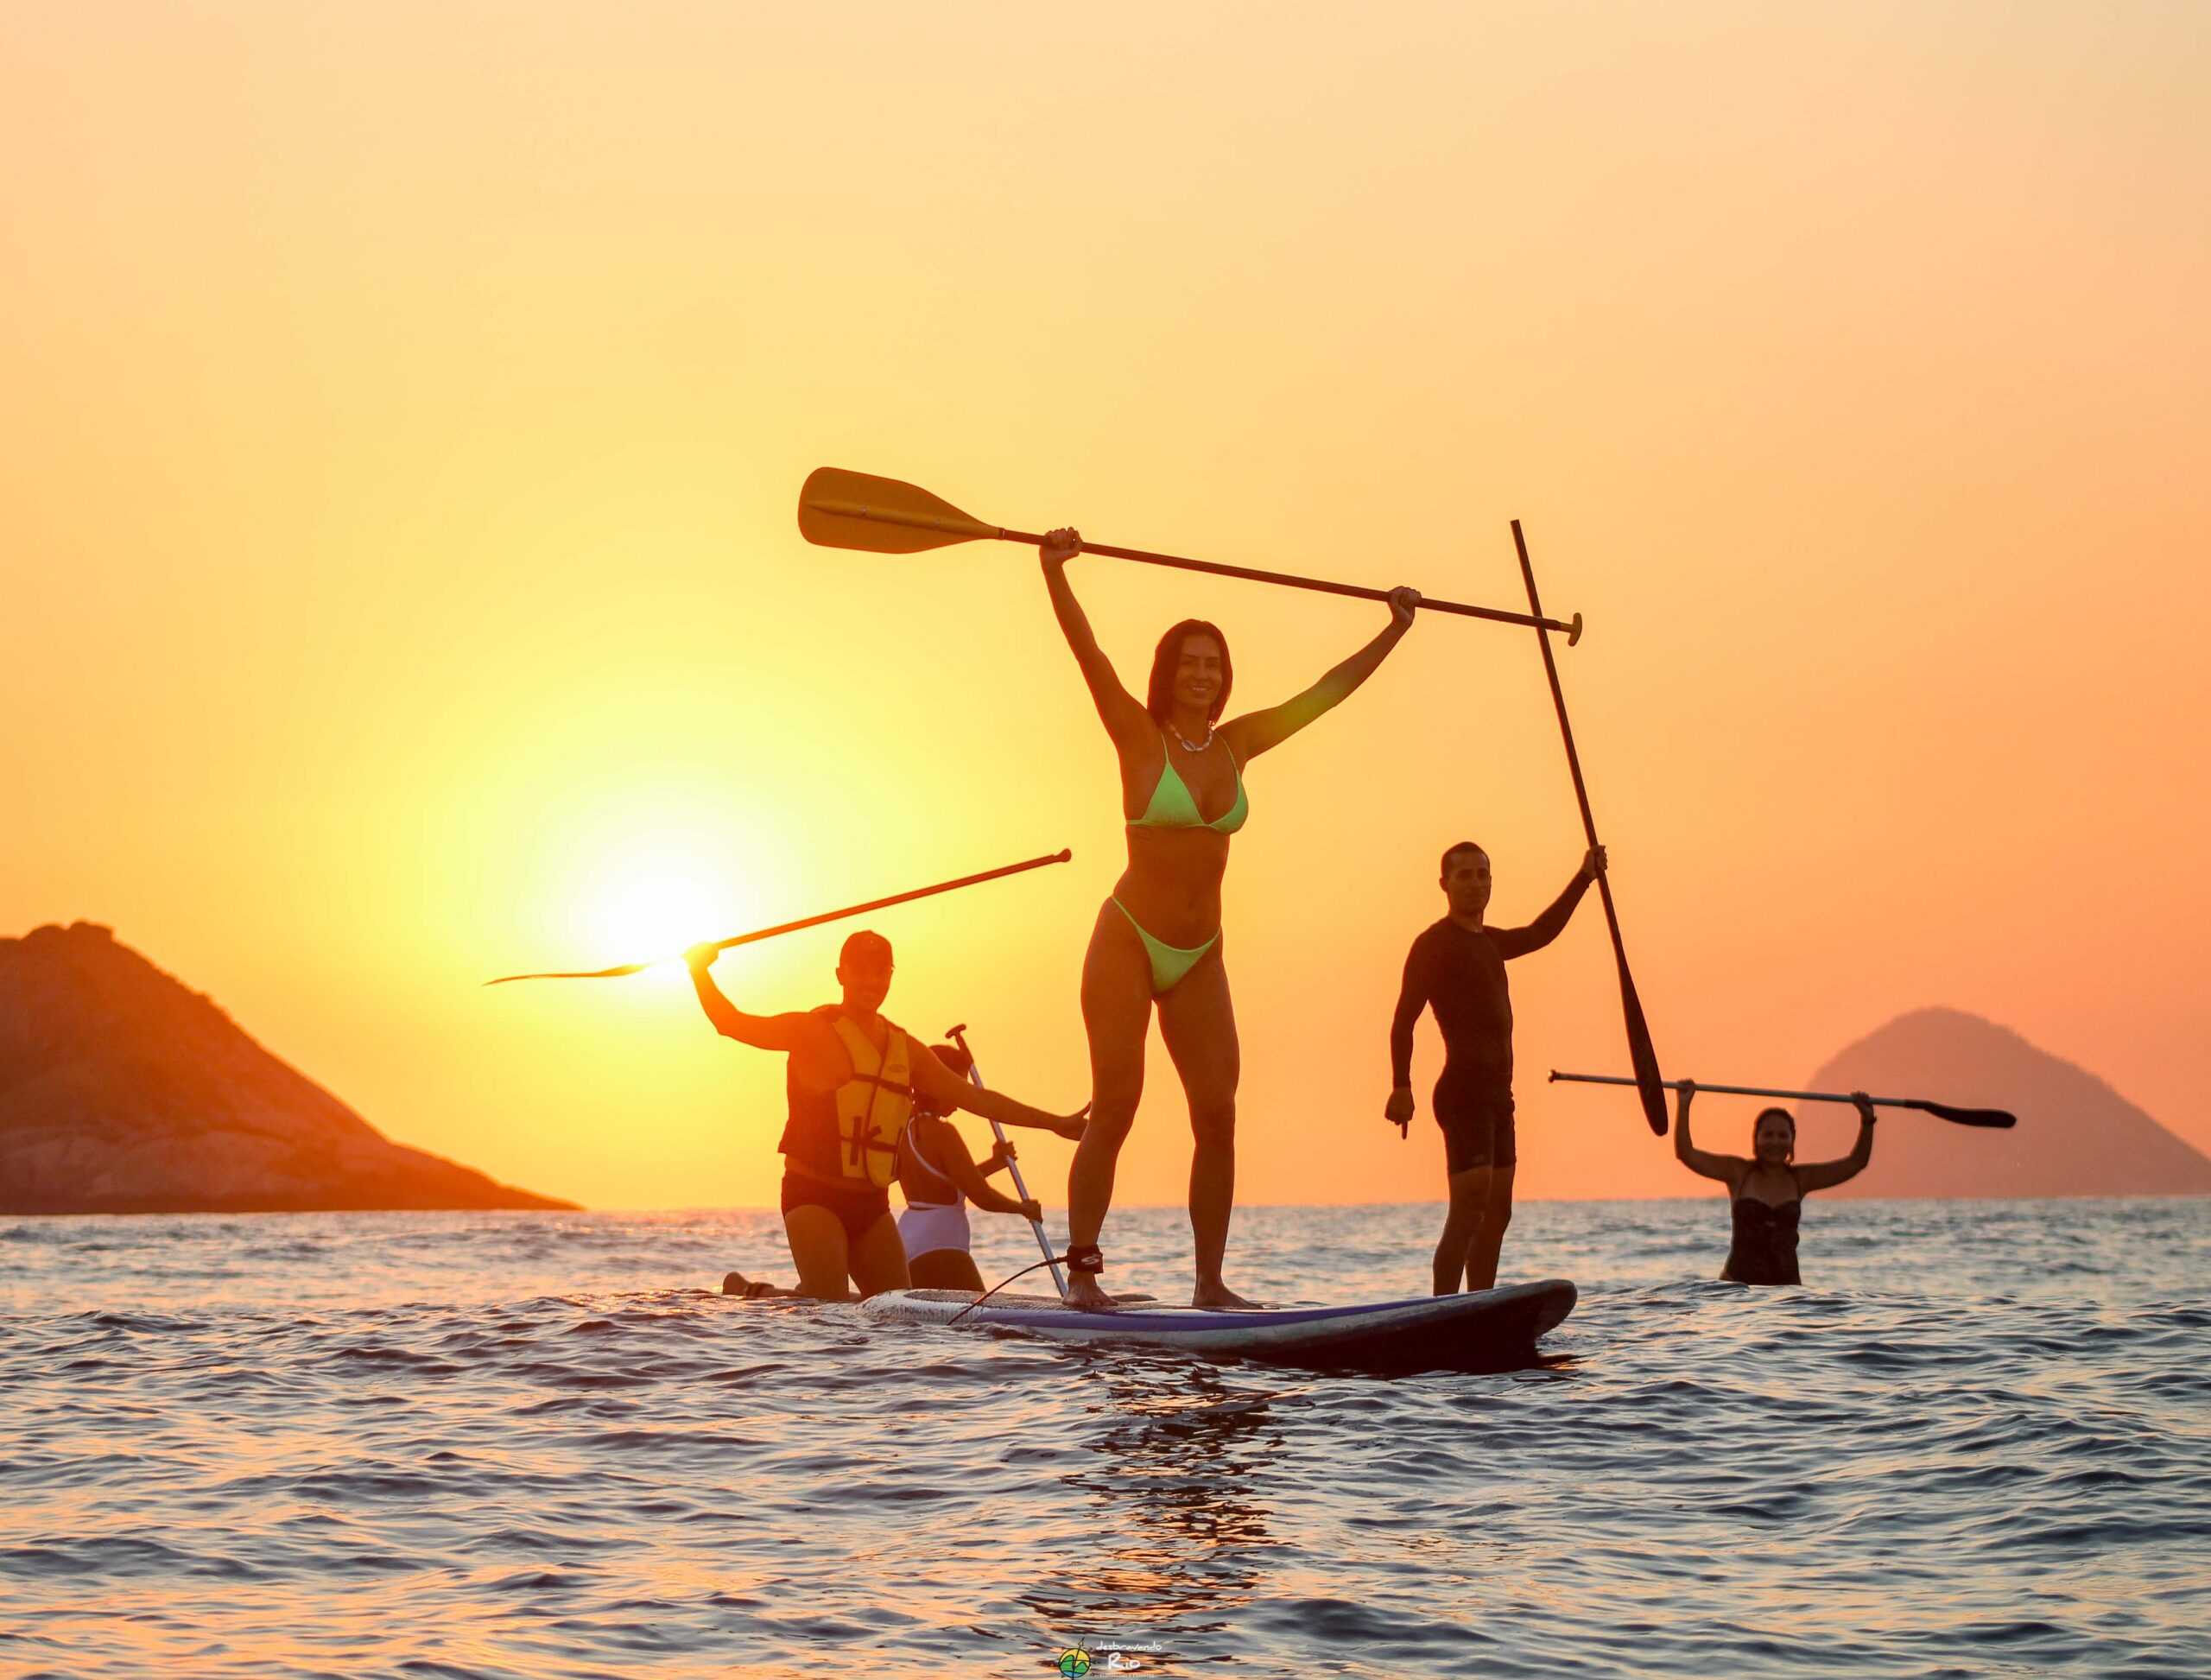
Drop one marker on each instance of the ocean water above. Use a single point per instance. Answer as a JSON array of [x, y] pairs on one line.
[[1979, 1442]]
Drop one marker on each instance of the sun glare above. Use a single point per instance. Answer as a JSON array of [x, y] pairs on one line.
[[659, 912], [654, 891]]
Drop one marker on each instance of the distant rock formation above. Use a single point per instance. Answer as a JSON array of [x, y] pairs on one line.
[[2076, 1137], [122, 1092]]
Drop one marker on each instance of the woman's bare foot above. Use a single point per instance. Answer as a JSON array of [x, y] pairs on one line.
[[1219, 1297], [1085, 1296], [753, 1288]]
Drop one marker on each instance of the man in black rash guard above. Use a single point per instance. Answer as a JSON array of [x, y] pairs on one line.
[[1457, 968]]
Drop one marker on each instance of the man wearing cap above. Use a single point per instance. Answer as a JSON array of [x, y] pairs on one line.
[[852, 1079]]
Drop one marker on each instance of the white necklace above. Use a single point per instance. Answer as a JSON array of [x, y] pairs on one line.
[[1189, 745]]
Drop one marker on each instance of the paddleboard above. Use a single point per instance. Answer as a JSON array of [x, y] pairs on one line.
[[1486, 1330]]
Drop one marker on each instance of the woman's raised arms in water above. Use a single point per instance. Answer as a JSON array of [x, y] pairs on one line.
[[1766, 1188]]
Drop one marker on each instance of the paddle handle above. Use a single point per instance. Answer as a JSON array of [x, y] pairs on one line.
[[1996, 1119], [959, 1035], [1572, 629]]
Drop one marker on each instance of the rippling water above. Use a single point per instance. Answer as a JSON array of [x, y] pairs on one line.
[[537, 1445]]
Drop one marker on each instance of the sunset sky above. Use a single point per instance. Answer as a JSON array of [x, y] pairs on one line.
[[403, 409]]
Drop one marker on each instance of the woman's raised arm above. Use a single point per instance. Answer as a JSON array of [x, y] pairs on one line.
[[1725, 1168], [1825, 1174], [1260, 732], [1123, 716]]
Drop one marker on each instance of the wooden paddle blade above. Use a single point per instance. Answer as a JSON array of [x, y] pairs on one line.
[[1995, 1119], [587, 974], [842, 510], [1643, 1056]]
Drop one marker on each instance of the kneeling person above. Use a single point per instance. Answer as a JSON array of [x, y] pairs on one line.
[[939, 1178], [852, 1080]]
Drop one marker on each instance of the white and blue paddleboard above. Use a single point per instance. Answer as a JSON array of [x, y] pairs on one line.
[[1487, 1330]]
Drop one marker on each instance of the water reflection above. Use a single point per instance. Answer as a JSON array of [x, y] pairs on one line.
[[1175, 1504]]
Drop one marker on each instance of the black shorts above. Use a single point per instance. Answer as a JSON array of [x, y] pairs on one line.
[[856, 1208], [1477, 1127]]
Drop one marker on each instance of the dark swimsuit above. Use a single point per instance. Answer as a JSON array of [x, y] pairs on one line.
[[1765, 1248], [856, 1207]]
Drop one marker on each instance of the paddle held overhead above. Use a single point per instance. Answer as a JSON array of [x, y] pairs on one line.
[[1995, 1119], [841, 510], [759, 934]]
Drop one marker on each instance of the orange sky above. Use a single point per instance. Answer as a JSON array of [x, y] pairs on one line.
[[402, 409]]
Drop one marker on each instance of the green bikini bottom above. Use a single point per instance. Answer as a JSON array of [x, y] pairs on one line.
[[1170, 963]]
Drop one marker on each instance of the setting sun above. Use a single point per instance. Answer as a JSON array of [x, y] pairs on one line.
[[662, 912], [657, 894]]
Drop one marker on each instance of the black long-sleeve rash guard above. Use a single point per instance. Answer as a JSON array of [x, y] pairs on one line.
[[1461, 974]]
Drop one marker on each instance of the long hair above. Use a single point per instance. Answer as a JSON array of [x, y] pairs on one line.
[[1159, 698]]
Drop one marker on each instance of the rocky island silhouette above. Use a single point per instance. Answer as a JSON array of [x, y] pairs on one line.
[[2076, 1135], [122, 1090]]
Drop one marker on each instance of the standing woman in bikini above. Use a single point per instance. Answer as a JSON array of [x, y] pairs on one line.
[[1158, 940], [1767, 1193]]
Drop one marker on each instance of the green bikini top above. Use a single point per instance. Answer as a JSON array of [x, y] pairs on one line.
[[1172, 806]]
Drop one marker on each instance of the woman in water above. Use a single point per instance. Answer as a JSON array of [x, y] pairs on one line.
[[1157, 938], [1767, 1191], [939, 1178]]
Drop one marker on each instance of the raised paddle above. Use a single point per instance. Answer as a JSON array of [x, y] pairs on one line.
[[1640, 1054], [841, 510], [1996, 1119], [959, 1035], [803, 921]]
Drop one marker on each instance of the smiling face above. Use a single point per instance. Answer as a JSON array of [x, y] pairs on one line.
[[1191, 674], [1465, 881], [864, 970], [1773, 1137], [1198, 675]]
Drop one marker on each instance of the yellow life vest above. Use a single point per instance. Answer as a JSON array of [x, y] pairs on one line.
[[851, 1132]]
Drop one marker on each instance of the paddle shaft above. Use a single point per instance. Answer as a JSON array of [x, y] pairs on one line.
[[1640, 1052], [1988, 1117], [1495, 615], [1059, 856], [962, 529], [959, 1035], [759, 933]]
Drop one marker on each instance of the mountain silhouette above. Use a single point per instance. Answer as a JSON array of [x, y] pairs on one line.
[[122, 1090], [2076, 1137]]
